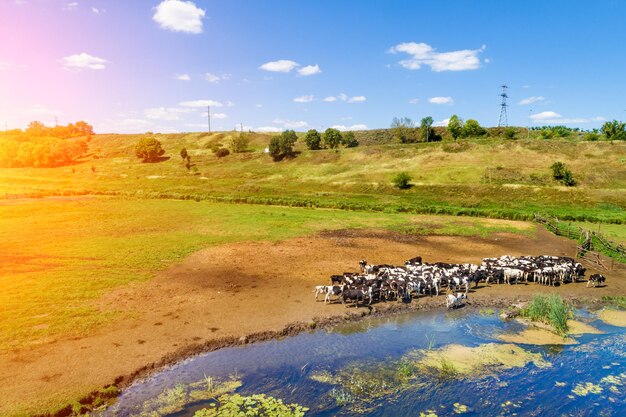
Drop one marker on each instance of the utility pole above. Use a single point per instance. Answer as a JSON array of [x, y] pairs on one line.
[[56, 121], [529, 121], [208, 109], [241, 127]]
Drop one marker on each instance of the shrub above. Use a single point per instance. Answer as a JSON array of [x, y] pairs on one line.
[[349, 141], [403, 130], [149, 149], [509, 133], [563, 175], [183, 153], [546, 134], [592, 137], [455, 126], [240, 142], [313, 140], [222, 152], [402, 180], [614, 130]]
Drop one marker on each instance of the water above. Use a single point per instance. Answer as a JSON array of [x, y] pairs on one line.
[[313, 370]]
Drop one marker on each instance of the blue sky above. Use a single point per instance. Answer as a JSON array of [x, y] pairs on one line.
[[151, 65]]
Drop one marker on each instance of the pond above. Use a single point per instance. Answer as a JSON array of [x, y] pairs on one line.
[[423, 364]]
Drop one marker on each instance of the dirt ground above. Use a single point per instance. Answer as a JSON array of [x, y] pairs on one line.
[[235, 290]]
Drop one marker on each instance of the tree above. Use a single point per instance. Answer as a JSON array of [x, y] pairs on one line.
[[332, 138], [426, 129], [563, 175], [614, 130], [281, 146], [240, 142], [149, 149], [349, 141], [403, 130], [455, 126], [35, 129], [402, 180], [313, 140], [472, 129]]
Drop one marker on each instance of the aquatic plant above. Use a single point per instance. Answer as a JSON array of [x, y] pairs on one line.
[[582, 390], [236, 405], [550, 309], [448, 370]]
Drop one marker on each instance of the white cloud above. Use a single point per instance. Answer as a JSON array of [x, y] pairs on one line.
[[219, 116], [357, 99], [268, 129], [343, 128], [162, 113], [183, 77], [441, 100], [97, 10], [230, 104], [545, 115], [344, 97], [303, 99], [212, 78], [424, 54], [258, 105], [414, 101], [71, 6], [179, 16], [531, 100], [200, 103], [550, 117], [282, 65], [83, 61], [39, 110], [442, 123], [309, 70], [289, 124]]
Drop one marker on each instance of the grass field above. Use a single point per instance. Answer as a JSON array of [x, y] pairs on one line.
[[487, 177], [59, 255]]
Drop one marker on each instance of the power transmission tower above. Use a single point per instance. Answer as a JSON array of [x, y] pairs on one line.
[[503, 119]]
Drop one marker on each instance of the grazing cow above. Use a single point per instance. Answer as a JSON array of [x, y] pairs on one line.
[[454, 301], [355, 295], [596, 280], [414, 261]]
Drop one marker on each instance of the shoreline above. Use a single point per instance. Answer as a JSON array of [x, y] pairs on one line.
[[111, 391]]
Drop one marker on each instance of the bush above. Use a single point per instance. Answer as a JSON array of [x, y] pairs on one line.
[[509, 133], [240, 142], [592, 137], [349, 141], [149, 149], [563, 175], [402, 180], [222, 152], [472, 129], [183, 153]]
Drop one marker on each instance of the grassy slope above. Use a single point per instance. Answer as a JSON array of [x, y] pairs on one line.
[[489, 177], [58, 256]]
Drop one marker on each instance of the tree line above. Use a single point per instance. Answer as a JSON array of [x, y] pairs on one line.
[[42, 146]]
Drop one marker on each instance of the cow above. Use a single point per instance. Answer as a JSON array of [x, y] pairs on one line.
[[355, 295], [596, 280], [454, 301]]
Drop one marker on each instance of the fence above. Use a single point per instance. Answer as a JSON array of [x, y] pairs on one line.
[[590, 242]]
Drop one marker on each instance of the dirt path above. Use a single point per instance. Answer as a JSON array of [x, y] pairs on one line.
[[235, 290]]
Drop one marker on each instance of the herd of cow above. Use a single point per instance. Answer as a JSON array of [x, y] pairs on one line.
[[388, 282]]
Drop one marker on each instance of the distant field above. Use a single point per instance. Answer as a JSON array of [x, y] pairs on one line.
[[615, 232], [58, 256], [487, 177]]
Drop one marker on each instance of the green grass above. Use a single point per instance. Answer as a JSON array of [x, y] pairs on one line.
[[614, 232], [618, 301], [59, 256], [487, 177], [550, 309]]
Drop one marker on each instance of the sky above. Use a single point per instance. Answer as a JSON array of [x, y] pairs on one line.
[[152, 65]]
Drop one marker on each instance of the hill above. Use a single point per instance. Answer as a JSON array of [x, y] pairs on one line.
[[489, 177]]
